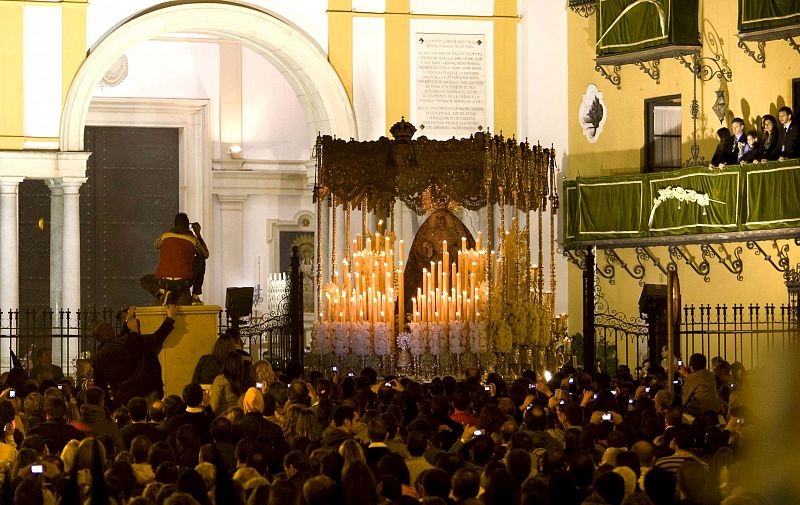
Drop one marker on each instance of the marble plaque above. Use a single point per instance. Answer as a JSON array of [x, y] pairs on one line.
[[450, 84]]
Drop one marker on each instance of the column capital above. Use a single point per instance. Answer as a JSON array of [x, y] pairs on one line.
[[10, 185], [231, 202], [65, 185]]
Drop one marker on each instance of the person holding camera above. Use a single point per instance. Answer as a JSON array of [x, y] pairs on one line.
[[181, 265], [128, 363]]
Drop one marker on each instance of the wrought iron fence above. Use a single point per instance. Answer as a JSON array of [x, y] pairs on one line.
[[748, 334]]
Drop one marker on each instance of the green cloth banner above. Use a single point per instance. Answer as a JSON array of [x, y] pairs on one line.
[[625, 26], [765, 14], [687, 201]]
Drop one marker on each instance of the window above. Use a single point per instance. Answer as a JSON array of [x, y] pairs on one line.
[[796, 97], [663, 133]]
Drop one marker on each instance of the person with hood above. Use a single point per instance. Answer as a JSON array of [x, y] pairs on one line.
[[94, 421], [253, 425], [128, 364]]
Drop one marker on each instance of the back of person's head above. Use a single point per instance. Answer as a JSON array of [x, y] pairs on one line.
[[29, 491], [616, 439], [192, 395], [376, 429], [358, 484], [692, 476], [518, 464], [659, 485], [243, 448], [684, 437], [191, 482], [724, 134], [466, 484], [120, 476], [283, 493], [173, 405], [137, 408], [552, 460], [140, 447], [481, 450], [582, 470], [56, 409], [697, 362], [297, 460], [536, 418], [393, 464], [319, 490], [160, 452], [155, 411], [574, 414], [646, 453], [103, 331], [343, 414], [94, 396], [331, 465], [674, 416], [521, 440], [461, 400], [181, 220], [611, 487], [416, 443], [221, 429], [450, 462], [259, 458], [390, 488], [500, 488], [167, 472], [631, 460], [435, 482]]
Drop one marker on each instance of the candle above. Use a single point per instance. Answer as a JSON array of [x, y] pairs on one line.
[[464, 244]]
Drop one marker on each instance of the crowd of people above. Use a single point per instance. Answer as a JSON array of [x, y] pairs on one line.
[[242, 432], [779, 140]]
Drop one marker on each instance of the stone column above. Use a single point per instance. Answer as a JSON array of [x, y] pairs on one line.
[[71, 244], [56, 242], [9, 244], [231, 209]]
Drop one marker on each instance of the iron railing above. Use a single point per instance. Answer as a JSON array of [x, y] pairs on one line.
[[747, 334]]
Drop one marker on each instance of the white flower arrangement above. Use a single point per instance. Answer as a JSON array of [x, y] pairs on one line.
[[478, 341], [437, 337], [321, 337], [418, 337], [456, 337], [682, 195], [341, 338], [381, 336], [360, 338]]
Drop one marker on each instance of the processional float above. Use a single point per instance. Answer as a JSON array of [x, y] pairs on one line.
[[456, 300]]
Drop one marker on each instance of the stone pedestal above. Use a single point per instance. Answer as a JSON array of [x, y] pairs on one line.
[[193, 336]]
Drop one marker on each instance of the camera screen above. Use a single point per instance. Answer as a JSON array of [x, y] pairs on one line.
[[606, 417], [36, 469]]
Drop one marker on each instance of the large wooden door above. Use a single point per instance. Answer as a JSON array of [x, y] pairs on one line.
[[129, 199], [34, 245]]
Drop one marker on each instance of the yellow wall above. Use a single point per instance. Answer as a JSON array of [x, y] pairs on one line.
[[12, 96], [620, 149], [398, 57]]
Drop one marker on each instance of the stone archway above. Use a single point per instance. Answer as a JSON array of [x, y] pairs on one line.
[[301, 61]]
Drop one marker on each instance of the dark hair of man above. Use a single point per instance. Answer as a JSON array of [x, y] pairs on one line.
[[279, 392], [518, 464], [243, 448], [283, 492], [482, 450], [34, 442], [331, 465], [156, 411], [684, 437], [552, 460], [787, 110], [297, 460], [697, 362], [29, 491], [140, 447], [393, 464], [500, 489], [56, 408], [466, 484], [536, 419], [192, 395], [391, 425], [610, 486], [259, 458], [674, 416], [738, 120], [191, 482], [221, 429], [160, 452], [137, 408], [342, 414], [692, 480], [574, 414], [521, 440], [376, 429], [659, 485], [94, 396], [181, 220], [631, 460], [120, 476], [435, 482], [461, 400], [390, 488], [167, 472], [416, 443], [450, 462], [173, 404]]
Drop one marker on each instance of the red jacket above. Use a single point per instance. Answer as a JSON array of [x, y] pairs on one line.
[[177, 254]]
